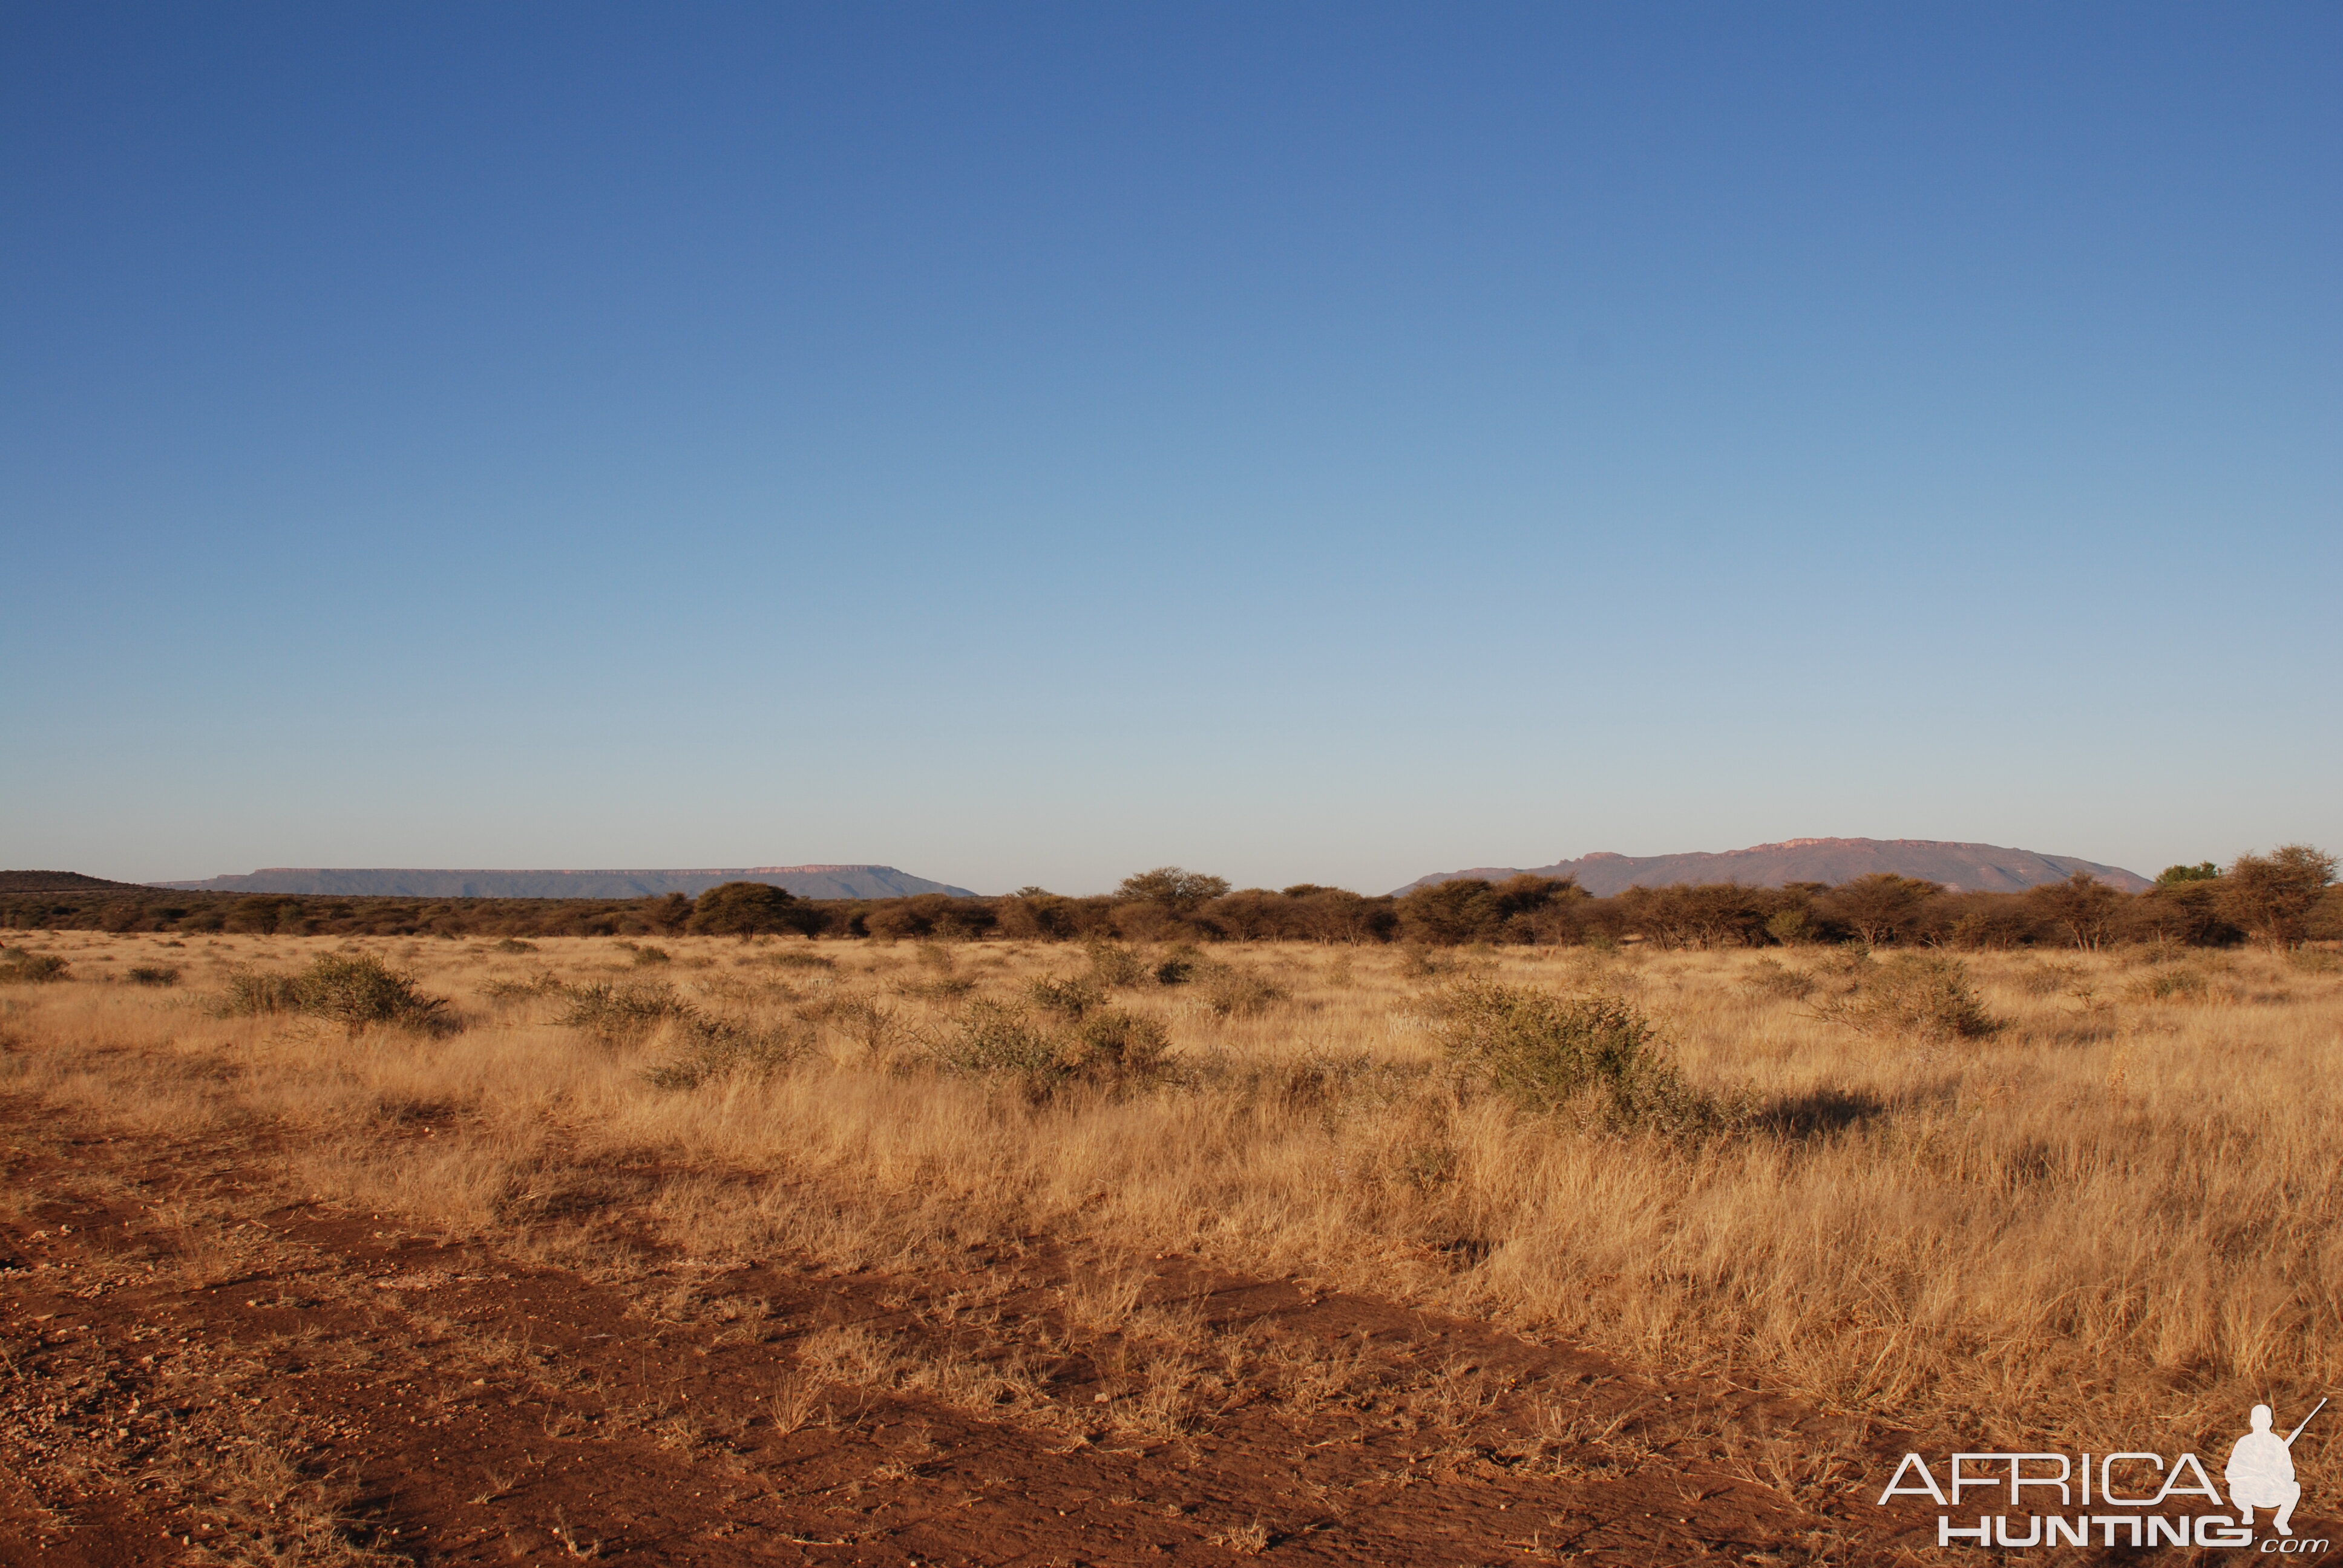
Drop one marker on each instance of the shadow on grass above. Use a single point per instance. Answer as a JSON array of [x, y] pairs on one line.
[[1818, 1113]]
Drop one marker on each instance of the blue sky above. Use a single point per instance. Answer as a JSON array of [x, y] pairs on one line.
[[1026, 443]]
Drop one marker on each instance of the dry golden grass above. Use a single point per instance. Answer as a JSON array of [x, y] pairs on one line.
[[2118, 1210]]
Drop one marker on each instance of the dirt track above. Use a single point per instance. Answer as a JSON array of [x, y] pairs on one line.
[[203, 1366]]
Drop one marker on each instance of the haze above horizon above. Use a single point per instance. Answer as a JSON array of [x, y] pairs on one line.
[[1033, 443]]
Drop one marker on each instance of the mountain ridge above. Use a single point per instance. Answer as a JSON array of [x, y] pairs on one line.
[[1959, 866], [63, 882], [811, 881]]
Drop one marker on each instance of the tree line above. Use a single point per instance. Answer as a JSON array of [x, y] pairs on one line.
[[2283, 899]]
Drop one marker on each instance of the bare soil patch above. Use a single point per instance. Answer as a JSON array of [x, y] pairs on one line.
[[205, 1367]]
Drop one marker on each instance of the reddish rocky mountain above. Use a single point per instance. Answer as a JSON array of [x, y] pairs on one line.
[[1966, 868]]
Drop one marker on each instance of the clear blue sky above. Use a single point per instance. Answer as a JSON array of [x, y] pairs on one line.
[[1027, 444]]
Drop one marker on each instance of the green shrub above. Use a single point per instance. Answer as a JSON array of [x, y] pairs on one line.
[[1416, 962], [621, 1011], [1106, 1047], [155, 975], [998, 1037], [515, 989], [360, 988], [878, 1029], [1069, 998], [1546, 1052], [2180, 982], [18, 967], [1113, 1046], [250, 991], [1112, 965], [1768, 978], [720, 1048], [1232, 992], [352, 988], [1179, 965], [1917, 994]]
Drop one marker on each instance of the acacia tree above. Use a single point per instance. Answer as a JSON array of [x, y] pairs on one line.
[[1181, 892], [1878, 907], [2083, 904], [2271, 895], [1451, 913], [746, 910]]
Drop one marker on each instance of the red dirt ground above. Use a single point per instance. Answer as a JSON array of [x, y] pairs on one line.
[[203, 1367]]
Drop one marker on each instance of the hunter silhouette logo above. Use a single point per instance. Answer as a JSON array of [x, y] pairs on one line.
[[2260, 1473], [2143, 1501]]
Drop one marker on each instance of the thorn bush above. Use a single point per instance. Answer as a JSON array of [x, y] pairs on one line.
[[18, 967], [354, 990], [1919, 994], [1546, 1052]]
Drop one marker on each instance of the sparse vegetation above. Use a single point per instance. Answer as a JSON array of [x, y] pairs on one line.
[[1785, 1158]]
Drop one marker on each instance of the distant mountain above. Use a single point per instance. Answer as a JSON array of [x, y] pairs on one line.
[[1964, 867], [61, 882], [806, 881]]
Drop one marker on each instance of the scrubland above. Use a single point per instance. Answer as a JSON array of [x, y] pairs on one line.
[[2101, 1202]]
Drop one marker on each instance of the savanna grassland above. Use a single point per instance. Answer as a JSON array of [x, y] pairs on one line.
[[1567, 1225]]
